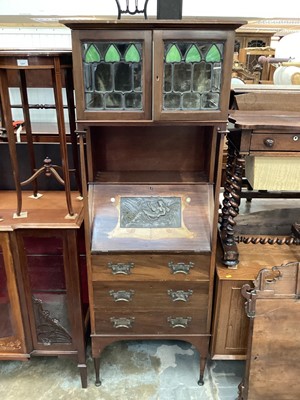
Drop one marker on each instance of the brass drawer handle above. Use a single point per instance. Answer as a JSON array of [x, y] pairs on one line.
[[180, 295], [121, 268], [179, 322], [122, 295], [180, 268], [269, 142], [122, 322]]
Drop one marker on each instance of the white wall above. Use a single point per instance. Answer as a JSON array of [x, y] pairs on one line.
[[52, 38], [253, 8]]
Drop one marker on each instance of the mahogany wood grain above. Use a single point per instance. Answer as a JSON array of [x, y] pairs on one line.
[[203, 23], [230, 324], [154, 267], [152, 322], [150, 295], [154, 149], [284, 142], [266, 119]]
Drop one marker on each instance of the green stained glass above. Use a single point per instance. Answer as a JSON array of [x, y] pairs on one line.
[[193, 55], [92, 54], [112, 54], [173, 54], [213, 54], [132, 54]]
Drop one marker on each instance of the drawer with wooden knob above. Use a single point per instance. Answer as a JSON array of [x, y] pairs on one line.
[[137, 267], [275, 142]]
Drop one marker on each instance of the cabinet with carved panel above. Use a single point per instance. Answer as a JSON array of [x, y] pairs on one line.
[[152, 100]]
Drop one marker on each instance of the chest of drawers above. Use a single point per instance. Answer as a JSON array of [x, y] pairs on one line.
[[151, 294]]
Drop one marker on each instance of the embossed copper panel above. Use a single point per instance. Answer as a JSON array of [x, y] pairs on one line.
[[150, 212]]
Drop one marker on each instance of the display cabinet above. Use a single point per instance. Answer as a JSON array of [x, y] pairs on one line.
[[152, 99]]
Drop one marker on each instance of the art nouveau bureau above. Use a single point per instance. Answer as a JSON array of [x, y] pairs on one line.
[[152, 99]]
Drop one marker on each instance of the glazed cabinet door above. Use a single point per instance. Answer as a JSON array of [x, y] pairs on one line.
[[12, 339], [191, 79], [50, 267], [112, 74]]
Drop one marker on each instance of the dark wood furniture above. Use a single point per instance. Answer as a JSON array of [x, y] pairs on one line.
[[152, 99], [42, 280], [230, 329], [263, 144], [272, 368]]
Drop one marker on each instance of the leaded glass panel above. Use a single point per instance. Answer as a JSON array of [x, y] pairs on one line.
[[113, 75], [172, 101], [192, 75]]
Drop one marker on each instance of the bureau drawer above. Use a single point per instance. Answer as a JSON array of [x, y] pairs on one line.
[[275, 142], [136, 296], [150, 267], [151, 322]]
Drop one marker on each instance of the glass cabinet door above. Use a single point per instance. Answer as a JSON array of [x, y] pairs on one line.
[[44, 274], [11, 328], [189, 75], [114, 79]]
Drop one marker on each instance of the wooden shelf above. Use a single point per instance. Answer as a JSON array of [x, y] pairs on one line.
[[142, 177], [49, 211]]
